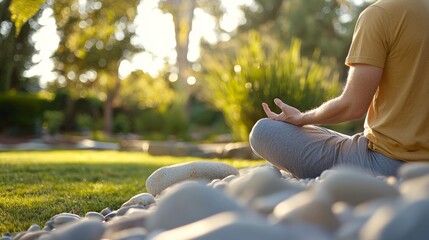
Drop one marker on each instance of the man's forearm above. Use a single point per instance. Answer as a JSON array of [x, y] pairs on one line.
[[331, 112]]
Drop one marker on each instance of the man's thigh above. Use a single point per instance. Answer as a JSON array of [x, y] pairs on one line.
[[304, 151], [308, 151]]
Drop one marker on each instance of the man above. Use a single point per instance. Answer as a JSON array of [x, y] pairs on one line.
[[388, 80]]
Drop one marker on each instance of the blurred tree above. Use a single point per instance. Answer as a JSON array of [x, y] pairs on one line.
[[182, 12], [95, 36], [22, 10], [263, 12], [17, 46], [326, 25], [140, 90]]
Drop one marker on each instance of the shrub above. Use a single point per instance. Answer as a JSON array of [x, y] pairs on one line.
[[121, 124], [261, 72], [53, 121], [22, 113], [84, 122]]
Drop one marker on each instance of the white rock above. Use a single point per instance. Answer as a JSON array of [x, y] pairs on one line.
[[261, 181], [306, 207], [266, 204], [343, 211], [354, 186], [188, 202], [412, 170], [64, 219], [82, 230], [351, 229], [415, 188], [398, 220], [167, 176], [142, 199], [129, 234], [122, 223], [95, 216], [228, 226]]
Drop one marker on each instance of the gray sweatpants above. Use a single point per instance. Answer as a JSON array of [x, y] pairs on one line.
[[309, 150]]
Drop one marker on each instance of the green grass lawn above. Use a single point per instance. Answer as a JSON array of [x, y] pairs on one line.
[[35, 185]]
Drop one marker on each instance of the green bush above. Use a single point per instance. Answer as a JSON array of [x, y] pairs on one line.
[[176, 122], [53, 121], [261, 72], [203, 115], [21, 113], [148, 121], [121, 124], [84, 122]]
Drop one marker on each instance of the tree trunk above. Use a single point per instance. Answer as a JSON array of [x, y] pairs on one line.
[[108, 117], [182, 18], [108, 107], [7, 62]]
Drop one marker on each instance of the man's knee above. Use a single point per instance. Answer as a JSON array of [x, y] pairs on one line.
[[259, 130]]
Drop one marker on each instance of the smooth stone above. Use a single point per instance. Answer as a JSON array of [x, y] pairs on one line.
[[33, 228], [354, 186], [262, 181], [125, 222], [286, 174], [105, 211], [82, 230], [49, 225], [227, 225], [229, 178], [32, 235], [403, 220], [266, 204], [165, 177], [306, 207], [415, 188], [367, 209], [188, 202], [132, 211], [343, 211], [64, 218], [123, 210], [350, 230], [412, 170], [17, 236], [130, 234], [275, 171], [218, 184], [110, 216], [95, 216], [142, 199], [65, 214], [326, 173]]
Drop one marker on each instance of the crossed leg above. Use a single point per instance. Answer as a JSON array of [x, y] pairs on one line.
[[309, 150]]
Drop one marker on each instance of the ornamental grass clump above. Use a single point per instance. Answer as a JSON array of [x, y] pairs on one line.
[[262, 71]]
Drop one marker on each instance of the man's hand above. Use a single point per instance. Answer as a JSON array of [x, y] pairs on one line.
[[289, 114]]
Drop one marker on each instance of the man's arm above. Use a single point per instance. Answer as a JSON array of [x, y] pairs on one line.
[[353, 103]]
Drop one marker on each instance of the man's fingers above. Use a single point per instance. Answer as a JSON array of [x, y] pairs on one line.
[[283, 106], [279, 103], [268, 111]]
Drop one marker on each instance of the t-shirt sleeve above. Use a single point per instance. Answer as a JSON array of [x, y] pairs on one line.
[[370, 38]]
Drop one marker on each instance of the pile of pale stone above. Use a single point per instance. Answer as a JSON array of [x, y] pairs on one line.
[[212, 200]]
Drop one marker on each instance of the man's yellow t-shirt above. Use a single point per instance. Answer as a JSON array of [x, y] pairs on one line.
[[394, 35]]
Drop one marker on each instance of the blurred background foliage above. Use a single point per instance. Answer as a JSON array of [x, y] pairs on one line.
[[261, 71], [289, 49]]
